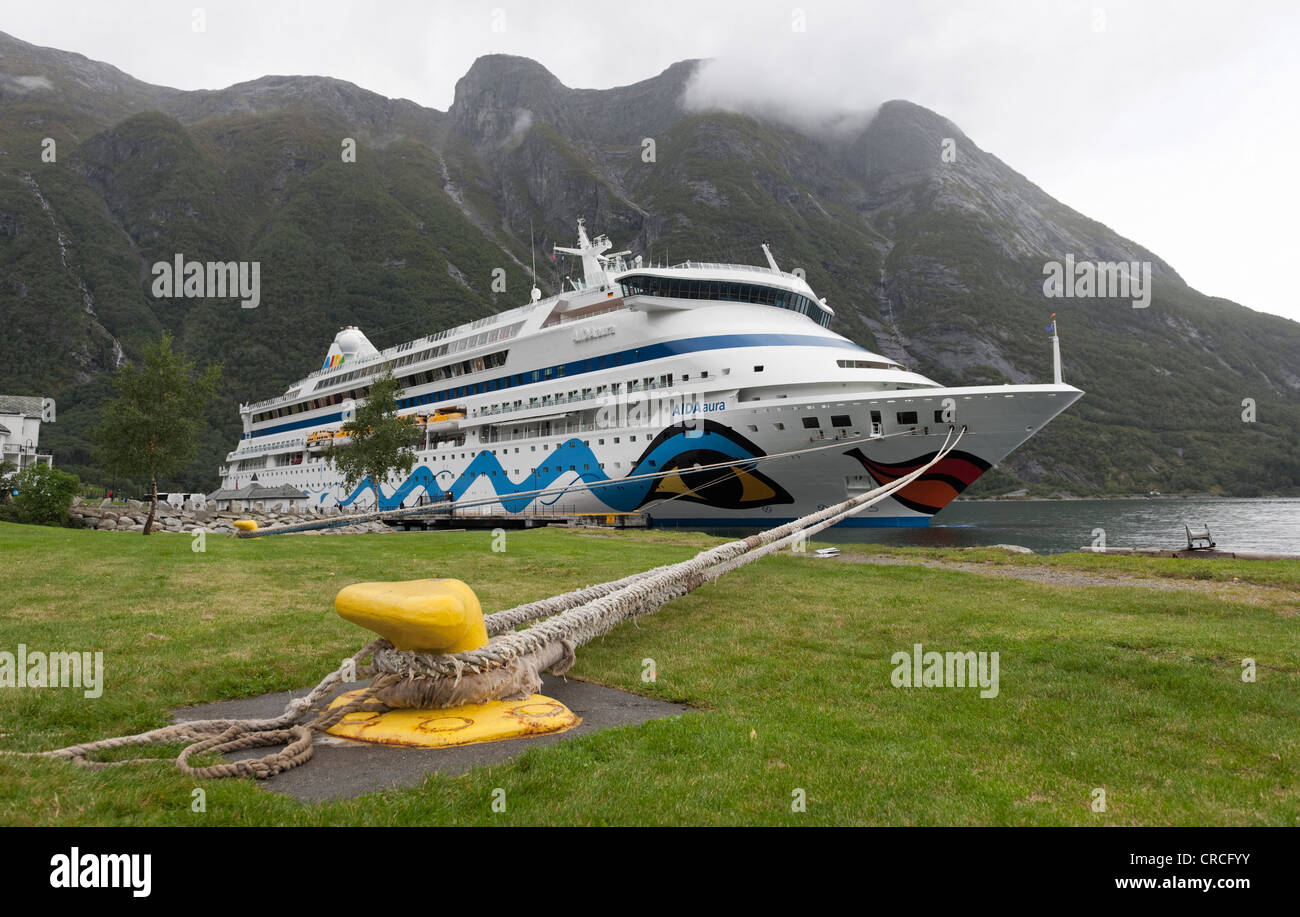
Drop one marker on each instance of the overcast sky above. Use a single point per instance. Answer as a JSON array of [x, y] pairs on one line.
[[1175, 123]]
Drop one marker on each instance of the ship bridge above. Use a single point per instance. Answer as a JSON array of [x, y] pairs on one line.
[[684, 286]]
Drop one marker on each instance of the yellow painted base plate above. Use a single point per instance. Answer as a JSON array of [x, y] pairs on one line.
[[466, 725]]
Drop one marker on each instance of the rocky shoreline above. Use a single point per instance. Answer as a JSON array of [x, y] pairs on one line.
[[131, 518]]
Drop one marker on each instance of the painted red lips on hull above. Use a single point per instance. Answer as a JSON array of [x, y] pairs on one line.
[[933, 490]]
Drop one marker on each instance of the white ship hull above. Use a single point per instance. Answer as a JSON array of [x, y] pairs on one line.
[[612, 397]]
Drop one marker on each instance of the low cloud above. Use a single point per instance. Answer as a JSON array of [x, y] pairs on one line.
[[24, 84], [751, 86], [523, 121]]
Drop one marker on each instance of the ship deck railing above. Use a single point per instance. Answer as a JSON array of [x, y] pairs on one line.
[[562, 400]]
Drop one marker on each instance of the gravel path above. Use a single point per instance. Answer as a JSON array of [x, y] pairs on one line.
[[1250, 593]]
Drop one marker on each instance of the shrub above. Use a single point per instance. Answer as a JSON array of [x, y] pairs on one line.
[[43, 495]]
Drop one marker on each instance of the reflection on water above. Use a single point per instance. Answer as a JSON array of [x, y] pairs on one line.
[[1052, 526]]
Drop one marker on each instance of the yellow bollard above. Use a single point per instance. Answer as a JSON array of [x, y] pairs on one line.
[[423, 615], [468, 724], [436, 616], [246, 525]]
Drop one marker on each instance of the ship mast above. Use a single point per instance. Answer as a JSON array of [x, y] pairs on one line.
[[594, 260]]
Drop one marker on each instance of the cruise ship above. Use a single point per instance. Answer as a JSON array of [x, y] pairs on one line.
[[701, 394]]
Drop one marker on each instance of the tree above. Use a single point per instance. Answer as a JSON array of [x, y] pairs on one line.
[[382, 442], [7, 470], [151, 428], [43, 494]]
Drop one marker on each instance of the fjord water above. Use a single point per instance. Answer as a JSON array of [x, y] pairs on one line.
[[1269, 525]]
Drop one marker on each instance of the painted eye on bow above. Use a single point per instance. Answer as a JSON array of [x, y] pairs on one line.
[[735, 487]]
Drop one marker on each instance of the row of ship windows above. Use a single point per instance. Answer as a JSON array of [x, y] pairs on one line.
[[493, 360], [498, 359], [724, 291], [486, 362], [430, 353], [463, 367], [613, 388], [478, 364], [904, 419]]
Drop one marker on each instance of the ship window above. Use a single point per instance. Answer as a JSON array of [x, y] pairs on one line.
[[758, 369], [907, 417], [875, 417], [841, 420], [752, 428], [779, 426], [811, 423]]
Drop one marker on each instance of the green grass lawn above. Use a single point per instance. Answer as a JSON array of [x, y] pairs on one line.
[[787, 662]]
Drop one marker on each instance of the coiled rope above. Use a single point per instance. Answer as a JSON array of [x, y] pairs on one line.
[[508, 668]]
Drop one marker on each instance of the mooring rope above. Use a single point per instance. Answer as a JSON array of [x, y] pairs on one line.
[[509, 667]]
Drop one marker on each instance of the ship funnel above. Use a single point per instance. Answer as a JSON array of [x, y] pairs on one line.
[[349, 346]]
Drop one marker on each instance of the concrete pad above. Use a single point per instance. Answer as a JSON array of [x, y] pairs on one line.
[[340, 768]]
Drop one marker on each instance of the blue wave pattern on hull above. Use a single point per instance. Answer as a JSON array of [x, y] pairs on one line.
[[571, 455]]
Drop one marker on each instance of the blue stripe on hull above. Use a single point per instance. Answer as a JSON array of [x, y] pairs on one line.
[[580, 367]]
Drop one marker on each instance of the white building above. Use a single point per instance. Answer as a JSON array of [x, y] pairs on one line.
[[20, 431], [256, 498]]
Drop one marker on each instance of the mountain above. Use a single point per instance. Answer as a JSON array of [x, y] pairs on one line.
[[938, 264]]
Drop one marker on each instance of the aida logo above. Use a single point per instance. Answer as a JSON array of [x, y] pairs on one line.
[[333, 360]]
